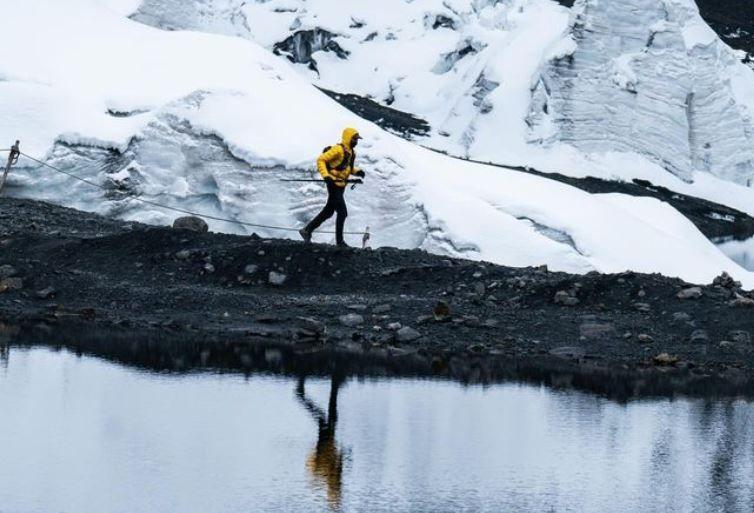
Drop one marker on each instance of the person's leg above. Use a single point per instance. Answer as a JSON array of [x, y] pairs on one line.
[[340, 221], [327, 212]]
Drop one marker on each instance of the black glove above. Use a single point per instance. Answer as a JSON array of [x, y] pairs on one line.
[[329, 179], [360, 173]]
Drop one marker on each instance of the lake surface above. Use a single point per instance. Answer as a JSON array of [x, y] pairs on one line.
[[83, 435]]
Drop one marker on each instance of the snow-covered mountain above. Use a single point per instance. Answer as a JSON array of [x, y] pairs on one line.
[[213, 122]]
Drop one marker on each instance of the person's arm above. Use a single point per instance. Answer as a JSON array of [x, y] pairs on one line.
[[330, 157]]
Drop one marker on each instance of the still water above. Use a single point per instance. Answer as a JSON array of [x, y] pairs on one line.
[[83, 435]]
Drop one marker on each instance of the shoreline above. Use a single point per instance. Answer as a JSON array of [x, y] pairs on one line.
[[399, 312]]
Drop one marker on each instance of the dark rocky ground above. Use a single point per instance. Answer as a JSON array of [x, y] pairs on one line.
[[733, 20], [395, 121], [177, 299]]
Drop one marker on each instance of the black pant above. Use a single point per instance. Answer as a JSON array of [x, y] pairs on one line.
[[335, 203]]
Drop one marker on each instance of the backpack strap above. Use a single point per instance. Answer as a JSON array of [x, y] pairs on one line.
[[348, 159]]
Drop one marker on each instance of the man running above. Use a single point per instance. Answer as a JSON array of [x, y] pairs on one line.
[[336, 166]]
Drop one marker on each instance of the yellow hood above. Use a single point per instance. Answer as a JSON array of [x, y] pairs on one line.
[[348, 135]]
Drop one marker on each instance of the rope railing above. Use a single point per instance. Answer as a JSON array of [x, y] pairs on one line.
[[15, 153]]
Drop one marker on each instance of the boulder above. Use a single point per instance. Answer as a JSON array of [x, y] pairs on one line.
[[407, 334], [192, 223], [690, 293], [277, 279], [351, 320]]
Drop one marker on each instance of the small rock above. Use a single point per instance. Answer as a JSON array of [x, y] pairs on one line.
[[565, 298], [727, 282], [643, 307], [591, 330], [381, 309], [192, 223], [645, 338], [184, 254], [9, 284], [407, 334], [491, 323], [7, 271], [351, 320], [740, 337], [424, 319], [251, 269], [726, 345], [309, 327], [480, 289], [568, 352], [394, 326], [47, 293], [276, 278], [357, 308], [700, 336], [681, 317], [209, 268], [690, 293], [665, 360], [742, 301]]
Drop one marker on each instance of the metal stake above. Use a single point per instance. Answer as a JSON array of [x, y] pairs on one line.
[[12, 160]]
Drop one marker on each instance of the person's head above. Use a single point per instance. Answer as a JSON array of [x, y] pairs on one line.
[[351, 137]]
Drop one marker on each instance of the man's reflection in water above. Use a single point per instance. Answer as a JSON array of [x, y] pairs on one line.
[[4, 354], [326, 461]]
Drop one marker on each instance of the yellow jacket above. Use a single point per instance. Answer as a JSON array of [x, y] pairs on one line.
[[337, 162]]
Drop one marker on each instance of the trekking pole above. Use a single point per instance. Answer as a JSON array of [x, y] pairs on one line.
[[12, 161], [353, 183]]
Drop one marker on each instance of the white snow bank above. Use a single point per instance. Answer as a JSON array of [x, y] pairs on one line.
[[87, 59]]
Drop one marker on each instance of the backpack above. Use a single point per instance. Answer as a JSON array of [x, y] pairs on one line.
[[348, 159]]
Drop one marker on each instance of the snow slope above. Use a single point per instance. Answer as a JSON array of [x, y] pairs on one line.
[[212, 123], [525, 82]]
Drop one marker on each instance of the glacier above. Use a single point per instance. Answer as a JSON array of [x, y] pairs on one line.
[[212, 122], [530, 82], [650, 77]]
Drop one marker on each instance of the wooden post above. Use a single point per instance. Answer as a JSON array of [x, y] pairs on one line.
[[12, 159]]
